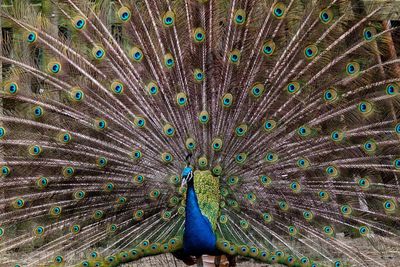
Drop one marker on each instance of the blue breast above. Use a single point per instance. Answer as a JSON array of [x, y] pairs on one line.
[[198, 238]]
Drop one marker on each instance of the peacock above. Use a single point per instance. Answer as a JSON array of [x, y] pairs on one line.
[[261, 129]]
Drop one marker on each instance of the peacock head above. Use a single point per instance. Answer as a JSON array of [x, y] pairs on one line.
[[187, 173]]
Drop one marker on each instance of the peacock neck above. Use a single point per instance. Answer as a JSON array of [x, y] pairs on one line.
[[198, 237]]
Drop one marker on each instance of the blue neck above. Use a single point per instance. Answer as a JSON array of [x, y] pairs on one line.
[[198, 238]]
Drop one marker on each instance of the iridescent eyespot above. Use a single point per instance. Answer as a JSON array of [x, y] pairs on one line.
[[31, 37], [76, 94], [54, 67], [365, 107], [1, 232], [304, 131], [241, 130], [352, 68], [271, 157], [154, 194], [136, 54], [283, 205], [79, 22], [166, 215], [295, 187], [370, 146], [233, 180], [292, 230], [121, 200], [265, 180], [303, 163], [202, 161], [240, 17], [3, 132], [332, 171], [11, 88], [227, 100], [308, 215], [268, 47], [397, 128], [137, 154], [18, 203], [346, 210], [241, 158], [39, 231], [217, 171], [267, 217], [326, 15], [75, 228], [181, 99], [35, 150], [330, 95], [169, 19], [166, 157], [175, 179], [101, 162], [138, 179], [78, 195], [310, 51], [244, 224], [190, 144], [204, 117], [293, 87], [98, 52], [68, 171], [117, 87], [251, 197], [279, 10], [124, 14], [323, 195], [396, 164], [55, 211], [337, 264], [199, 35], [94, 255], [223, 218], [392, 89], [5, 171], [363, 230], [64, 137], [328, 230], [42, 182], [257, 90], [139, 122], [217, 144], [168, 130], [58, 259], [389, 206], [38, 112], [100, 124], [363, 183], [369, 33], [110, 259], [108, 187], [269, 125], [169, 60], [98, 214], [234, 56], [304, 260], [198, 75], [152, 88], [337, 136]]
